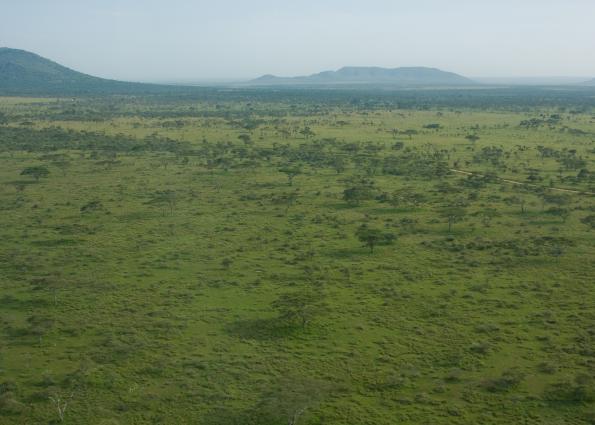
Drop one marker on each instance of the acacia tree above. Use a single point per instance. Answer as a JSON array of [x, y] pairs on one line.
[[517, 200], [92, 206], [287, 198], [300, 306], [454, 214], [307, 132], [589, 221], [559, 200], [371, 237], [410, 132], [339, 164], [165, 199], [472, 138], [563, 213], [20, 186], [356, 194], [36, 172], [63, 165], [291, 172], [245, 138]]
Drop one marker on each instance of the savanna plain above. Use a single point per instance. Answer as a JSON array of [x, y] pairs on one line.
[[276, 258]]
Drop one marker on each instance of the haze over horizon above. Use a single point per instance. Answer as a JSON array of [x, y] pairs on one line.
[[199, 40]]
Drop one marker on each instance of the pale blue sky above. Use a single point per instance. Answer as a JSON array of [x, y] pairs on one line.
[[194, 40]]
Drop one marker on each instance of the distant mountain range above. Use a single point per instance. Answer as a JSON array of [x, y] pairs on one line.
[[25, 73], [352, 75]]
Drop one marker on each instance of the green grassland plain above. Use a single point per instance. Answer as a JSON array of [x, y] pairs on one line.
[[137, 282]]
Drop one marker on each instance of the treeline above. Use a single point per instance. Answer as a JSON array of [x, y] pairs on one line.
[[55, 139], [178, 101]]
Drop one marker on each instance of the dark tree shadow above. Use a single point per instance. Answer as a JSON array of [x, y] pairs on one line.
[[262, 329]]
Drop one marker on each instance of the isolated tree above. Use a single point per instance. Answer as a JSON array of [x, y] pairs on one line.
[[300, 306], [287, 198], [245, 138], [226, 263], [372, 237], [20, 186], [563, 213], [589, 221], [307, 132], [356, 194], [472, 138], [36, 172], [339, 164], [291, 172], [454, 214], [92, 206], [397, 146], [560, 200], [62, 164], [517, 200], [410, 133], [165, 199]]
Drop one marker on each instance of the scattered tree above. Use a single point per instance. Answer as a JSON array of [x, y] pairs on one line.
[[472, 138], [291, 172], [165, 198], [454, 214], [589, 221], [300, 306], [36, 172], [371, 237]]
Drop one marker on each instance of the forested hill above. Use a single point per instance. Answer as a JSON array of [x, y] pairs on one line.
[[25, 73]]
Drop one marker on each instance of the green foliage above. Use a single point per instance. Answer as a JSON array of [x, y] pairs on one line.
[[472, 138], [371, 237], [92, 207], [242, 306], [291, 172], [164, 198], [453, 213], [36, 172], [509, 380], [301, 306], [579, 391], [363, 190], [290, 400], [589, 221]]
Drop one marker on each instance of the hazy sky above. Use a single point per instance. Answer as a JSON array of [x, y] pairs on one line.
[[199, 39]]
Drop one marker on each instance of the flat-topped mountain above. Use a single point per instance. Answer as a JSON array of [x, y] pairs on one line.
[[412, 76]]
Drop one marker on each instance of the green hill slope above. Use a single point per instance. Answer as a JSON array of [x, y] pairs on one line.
[[25, 73]]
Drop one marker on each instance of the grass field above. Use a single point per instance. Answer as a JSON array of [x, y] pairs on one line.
[[274, 263]]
